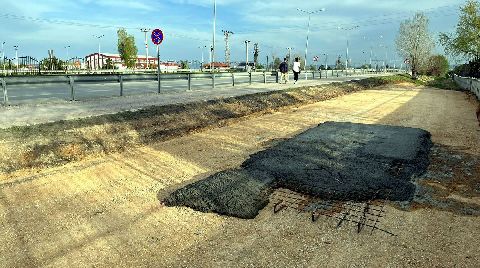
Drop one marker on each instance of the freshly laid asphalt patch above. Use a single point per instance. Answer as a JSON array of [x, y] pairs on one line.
[[339, 161]]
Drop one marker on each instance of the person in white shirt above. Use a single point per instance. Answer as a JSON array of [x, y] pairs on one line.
[[296, 70]]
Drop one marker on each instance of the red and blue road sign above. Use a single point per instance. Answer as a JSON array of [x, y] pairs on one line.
[[157, 36]]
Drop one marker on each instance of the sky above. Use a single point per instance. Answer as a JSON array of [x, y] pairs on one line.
[[38, 26]]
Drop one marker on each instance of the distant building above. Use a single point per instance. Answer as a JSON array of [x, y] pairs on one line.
[[217, 65], [97, 61]]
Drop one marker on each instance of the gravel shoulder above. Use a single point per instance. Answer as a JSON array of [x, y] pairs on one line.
[[104, 211]]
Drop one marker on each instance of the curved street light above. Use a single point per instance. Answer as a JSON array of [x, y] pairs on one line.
[[310, 13]]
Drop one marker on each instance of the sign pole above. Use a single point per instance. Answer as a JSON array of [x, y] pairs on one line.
[[158, 69]]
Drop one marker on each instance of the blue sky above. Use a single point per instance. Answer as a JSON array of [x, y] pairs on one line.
[[36, 26]]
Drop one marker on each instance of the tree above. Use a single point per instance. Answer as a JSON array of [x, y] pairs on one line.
[[437, 66], [127, 48], [339, 65], [256, 52], [109, 64], [184, 64], [276, 63], [465, 42], [414, 42]]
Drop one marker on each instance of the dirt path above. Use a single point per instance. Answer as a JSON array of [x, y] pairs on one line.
[[105, 211]]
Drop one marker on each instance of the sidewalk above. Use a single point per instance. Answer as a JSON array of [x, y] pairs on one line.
[[50, 112]]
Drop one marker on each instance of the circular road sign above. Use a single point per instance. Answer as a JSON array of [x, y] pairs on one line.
[[157, 36]]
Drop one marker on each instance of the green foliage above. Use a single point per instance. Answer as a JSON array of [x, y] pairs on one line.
[[52, 64], [466, 40], [259, 66], [184, 64], [276, 63], [127, 48], [414, 42], [436, 66], [109, 64]]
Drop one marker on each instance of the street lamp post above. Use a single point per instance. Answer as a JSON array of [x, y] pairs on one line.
[[67, 47], [145, 31], [3, 57], [213, 46], [201, 48], [246, 54], [348, 43], [16, 56], [310, 13], [99, 46]]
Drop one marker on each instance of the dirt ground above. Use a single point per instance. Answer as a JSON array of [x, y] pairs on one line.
[[105, 211]]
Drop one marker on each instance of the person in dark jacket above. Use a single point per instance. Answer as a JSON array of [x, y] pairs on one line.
[[284, 71]]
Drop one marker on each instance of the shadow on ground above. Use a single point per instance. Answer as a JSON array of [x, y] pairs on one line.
[[339, 161]]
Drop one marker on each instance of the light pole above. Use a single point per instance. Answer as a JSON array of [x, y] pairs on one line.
[[246, 54], [213, 46], [16, 56], [145, 31], [348, 36], [290, 53], [310, 13], [99, 46], [3, 56], [67, 47], [201, 48]]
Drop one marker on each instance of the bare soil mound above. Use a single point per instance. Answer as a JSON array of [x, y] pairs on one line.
[[340, 161]]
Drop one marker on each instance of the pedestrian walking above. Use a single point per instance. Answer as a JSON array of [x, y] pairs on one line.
[[296, 70], [284, 71]]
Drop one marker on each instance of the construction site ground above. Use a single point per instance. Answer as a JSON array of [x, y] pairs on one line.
[[105, 211]]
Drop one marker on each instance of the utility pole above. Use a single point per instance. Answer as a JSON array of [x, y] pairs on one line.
[[99, 46], [3, 57], [310, 13], [246, 54], [145, 31], [213, 46], [348, 36], [16, 56], [227, 34], [67, 47], [289, 54], [201, 48]]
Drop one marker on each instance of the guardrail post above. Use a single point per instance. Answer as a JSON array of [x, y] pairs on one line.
[[120, 79], [189, 81], [250, 78], [233, 79], [5, 93], [326, 74], [276, 77], [264, 77], [72, 88], [313, 74]]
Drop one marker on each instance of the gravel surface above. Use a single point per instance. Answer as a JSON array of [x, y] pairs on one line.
[[104, 211]]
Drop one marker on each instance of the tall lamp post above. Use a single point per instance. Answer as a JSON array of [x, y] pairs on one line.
[[348, 43], [68, 58], [145, 31], [99, 46], [3, 56], [310, 13], [213, 45], [201, 48], [16, 56], [246, 54]]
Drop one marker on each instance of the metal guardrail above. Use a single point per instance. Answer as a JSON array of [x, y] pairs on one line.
[[72, 80]]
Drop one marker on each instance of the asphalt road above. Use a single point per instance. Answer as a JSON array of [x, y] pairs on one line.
[[46, 93]]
